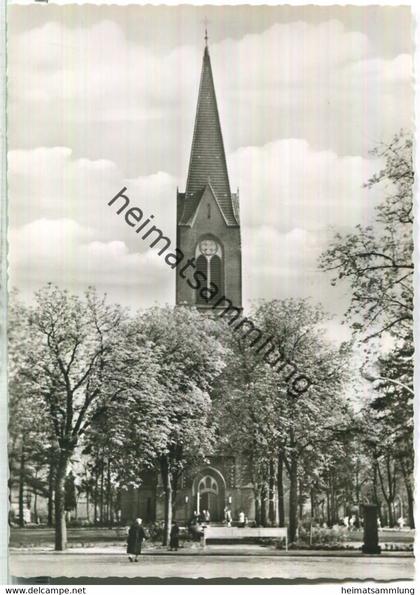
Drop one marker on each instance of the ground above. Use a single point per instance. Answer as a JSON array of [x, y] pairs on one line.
[[100, 552], [385, 567]]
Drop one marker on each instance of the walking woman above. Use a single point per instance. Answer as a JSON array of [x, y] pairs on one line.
[[136, 535]]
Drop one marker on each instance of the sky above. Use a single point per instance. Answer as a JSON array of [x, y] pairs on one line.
[[101, 97]]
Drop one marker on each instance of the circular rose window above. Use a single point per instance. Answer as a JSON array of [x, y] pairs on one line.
[[208, 247]]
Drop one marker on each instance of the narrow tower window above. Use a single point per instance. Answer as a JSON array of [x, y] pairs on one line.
[[202, 268], [210, 262], [216, 273]]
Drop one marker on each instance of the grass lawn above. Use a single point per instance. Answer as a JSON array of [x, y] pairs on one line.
[[34, 536], [385, 535]]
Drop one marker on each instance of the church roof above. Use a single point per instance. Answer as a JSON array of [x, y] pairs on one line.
[[207, 160]]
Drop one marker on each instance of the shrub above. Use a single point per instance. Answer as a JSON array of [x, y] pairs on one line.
[[322, 536]]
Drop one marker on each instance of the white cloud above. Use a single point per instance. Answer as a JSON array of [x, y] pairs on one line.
[[291, 194], [287, 184], [280, 264], [95, 90], [52, 183], [63, 252]]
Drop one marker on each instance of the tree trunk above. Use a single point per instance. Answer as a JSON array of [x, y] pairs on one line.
[[60, 515], [36, 506], [390, 513], [95, 500], [110, 498], [300, 500], [51, 470], [101, 509], [388, 488], [328, 508], [410, 502], [280, 489], [391, 485], [167, 484], [375, 493], [87, 507], [271, 492], [312, 500], [409, 490], [257, 508], [264, 505], [293, 497], [87, 501], [175, 484], [334, 518], [21, 486]]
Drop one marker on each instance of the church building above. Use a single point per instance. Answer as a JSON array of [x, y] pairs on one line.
[[208, 229]]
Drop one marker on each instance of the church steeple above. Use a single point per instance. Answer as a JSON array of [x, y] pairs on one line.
[[208, 230], [207, 161]]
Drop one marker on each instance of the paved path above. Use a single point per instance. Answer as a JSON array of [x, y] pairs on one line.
[[70, 564]]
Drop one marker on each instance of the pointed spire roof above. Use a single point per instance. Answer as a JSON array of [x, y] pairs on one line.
[[207, 160]]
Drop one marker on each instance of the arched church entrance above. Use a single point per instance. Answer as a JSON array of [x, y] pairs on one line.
[[209, 491]]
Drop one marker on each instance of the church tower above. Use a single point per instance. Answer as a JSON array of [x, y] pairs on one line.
[[208, 228]]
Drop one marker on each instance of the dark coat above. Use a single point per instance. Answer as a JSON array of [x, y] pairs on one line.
[[174, 541], [136, 535]]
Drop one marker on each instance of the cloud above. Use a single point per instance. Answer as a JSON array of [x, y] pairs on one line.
[[290, 194], [51, 183], [105, 95], [287, 184], [320, 82], [284, 264], [63, 252]]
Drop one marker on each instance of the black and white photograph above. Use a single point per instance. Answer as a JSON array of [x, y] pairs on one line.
[[210, 295]]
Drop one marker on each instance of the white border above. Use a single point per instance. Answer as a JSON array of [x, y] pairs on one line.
[[336, 588]]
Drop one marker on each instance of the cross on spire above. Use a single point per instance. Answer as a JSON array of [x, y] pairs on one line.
[[206, 36]]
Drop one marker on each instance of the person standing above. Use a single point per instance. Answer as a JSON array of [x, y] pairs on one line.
[[136, 535], [174, 538], [242, 519], [228, 516]]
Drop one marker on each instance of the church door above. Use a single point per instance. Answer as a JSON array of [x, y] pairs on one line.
[[209, 501], [210, 497]]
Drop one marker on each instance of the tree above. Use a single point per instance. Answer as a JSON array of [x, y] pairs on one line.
[[391, 409], [69, 345], [30, 429], [189, 356], [264, 419], [309, 421], [128, 432], [248, 419], [377, 261]]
